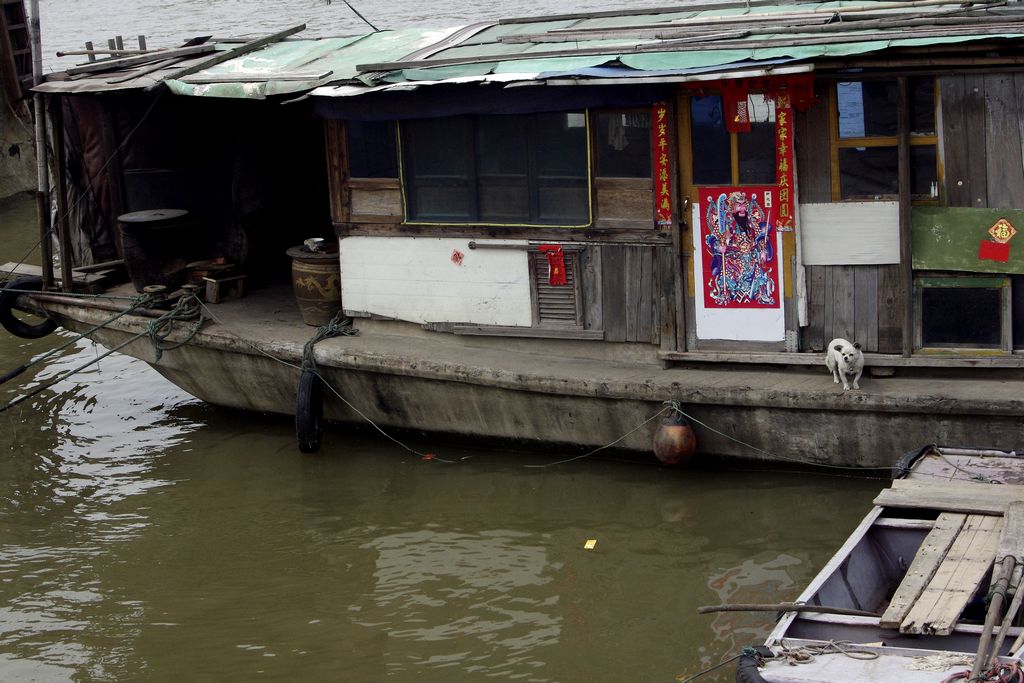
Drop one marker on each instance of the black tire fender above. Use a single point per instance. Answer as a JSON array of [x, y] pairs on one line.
[[907, 460], [747, 671], [309, 412], [17, 327]]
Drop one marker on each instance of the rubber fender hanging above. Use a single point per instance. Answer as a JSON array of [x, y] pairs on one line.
[[747, 671], [11, 323], [309, 412]]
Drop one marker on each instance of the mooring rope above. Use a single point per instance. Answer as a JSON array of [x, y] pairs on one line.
[[157, 330], [188, 307], [139, 302], [339, 325], [748, 651], [675, 405]]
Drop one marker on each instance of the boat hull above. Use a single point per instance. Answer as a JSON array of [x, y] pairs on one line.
[[488, 389]]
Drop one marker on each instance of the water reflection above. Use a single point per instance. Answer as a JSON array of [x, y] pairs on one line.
[[147, 536]]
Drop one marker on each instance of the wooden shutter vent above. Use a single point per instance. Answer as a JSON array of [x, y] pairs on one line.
[[556, 305]]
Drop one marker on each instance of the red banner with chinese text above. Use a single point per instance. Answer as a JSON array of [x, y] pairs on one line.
[[660, 157], [784, 161]]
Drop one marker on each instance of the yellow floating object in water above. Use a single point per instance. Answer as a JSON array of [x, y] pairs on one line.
[[589, 545]]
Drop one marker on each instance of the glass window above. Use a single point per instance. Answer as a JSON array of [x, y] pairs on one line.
[[560, 148], [961, 316], [436, 156], [866, 108], [712, 159], [922, 105], [868, 172], [498, 169], [624, 144], [923, 171], [372, 151], [757, 148], [867, 139], [503, 190]]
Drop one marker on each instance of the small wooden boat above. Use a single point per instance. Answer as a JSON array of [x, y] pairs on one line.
[[927, 588]]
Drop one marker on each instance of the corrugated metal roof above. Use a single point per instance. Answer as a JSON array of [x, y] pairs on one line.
[[669, 41], [285, 67]]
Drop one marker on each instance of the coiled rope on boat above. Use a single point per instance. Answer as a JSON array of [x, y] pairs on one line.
[[805, 654], [187, 308]]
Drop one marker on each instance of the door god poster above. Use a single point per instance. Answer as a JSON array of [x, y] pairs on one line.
[[738, 247]]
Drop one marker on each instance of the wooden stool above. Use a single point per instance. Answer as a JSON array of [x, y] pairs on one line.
[[217, 288]]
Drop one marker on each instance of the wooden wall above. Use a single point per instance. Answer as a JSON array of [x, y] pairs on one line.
[[983, 151], [858, 303], [626, 291]]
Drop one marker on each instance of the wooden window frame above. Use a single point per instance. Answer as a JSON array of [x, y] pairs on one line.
[[1003, 283], [837, 143]]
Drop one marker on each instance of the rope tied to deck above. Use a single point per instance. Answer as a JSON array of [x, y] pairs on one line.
[[806, 654], [187, 308], [339, 326]]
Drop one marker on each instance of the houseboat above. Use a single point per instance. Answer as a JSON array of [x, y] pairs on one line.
[[546, 228], [926, 589]]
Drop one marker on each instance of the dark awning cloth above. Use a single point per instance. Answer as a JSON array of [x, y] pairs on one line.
[[453, 100]]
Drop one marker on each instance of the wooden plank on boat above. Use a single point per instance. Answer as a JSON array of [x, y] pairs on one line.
[[951, 496], [87, 279], [926, 562], [1011, 541], [956, 579]]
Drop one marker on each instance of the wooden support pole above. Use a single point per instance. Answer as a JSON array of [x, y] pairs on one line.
[[1011, 612], [906, 264], [1000, 574], [42, 177], [1010, 551], [67, 256]]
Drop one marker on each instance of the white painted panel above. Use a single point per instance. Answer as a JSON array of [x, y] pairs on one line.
[[416, 279], [850, 233], [739, 324]]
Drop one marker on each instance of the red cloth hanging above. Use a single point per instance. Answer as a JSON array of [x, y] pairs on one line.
[[556, 264], [994, 251], [734, 102]]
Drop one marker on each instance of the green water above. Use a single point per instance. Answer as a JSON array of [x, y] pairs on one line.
[[147, 536]]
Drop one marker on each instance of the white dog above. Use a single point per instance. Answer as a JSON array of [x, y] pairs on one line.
[[843, 360]]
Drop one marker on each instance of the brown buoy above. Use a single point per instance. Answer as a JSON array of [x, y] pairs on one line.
[[675, 441]]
